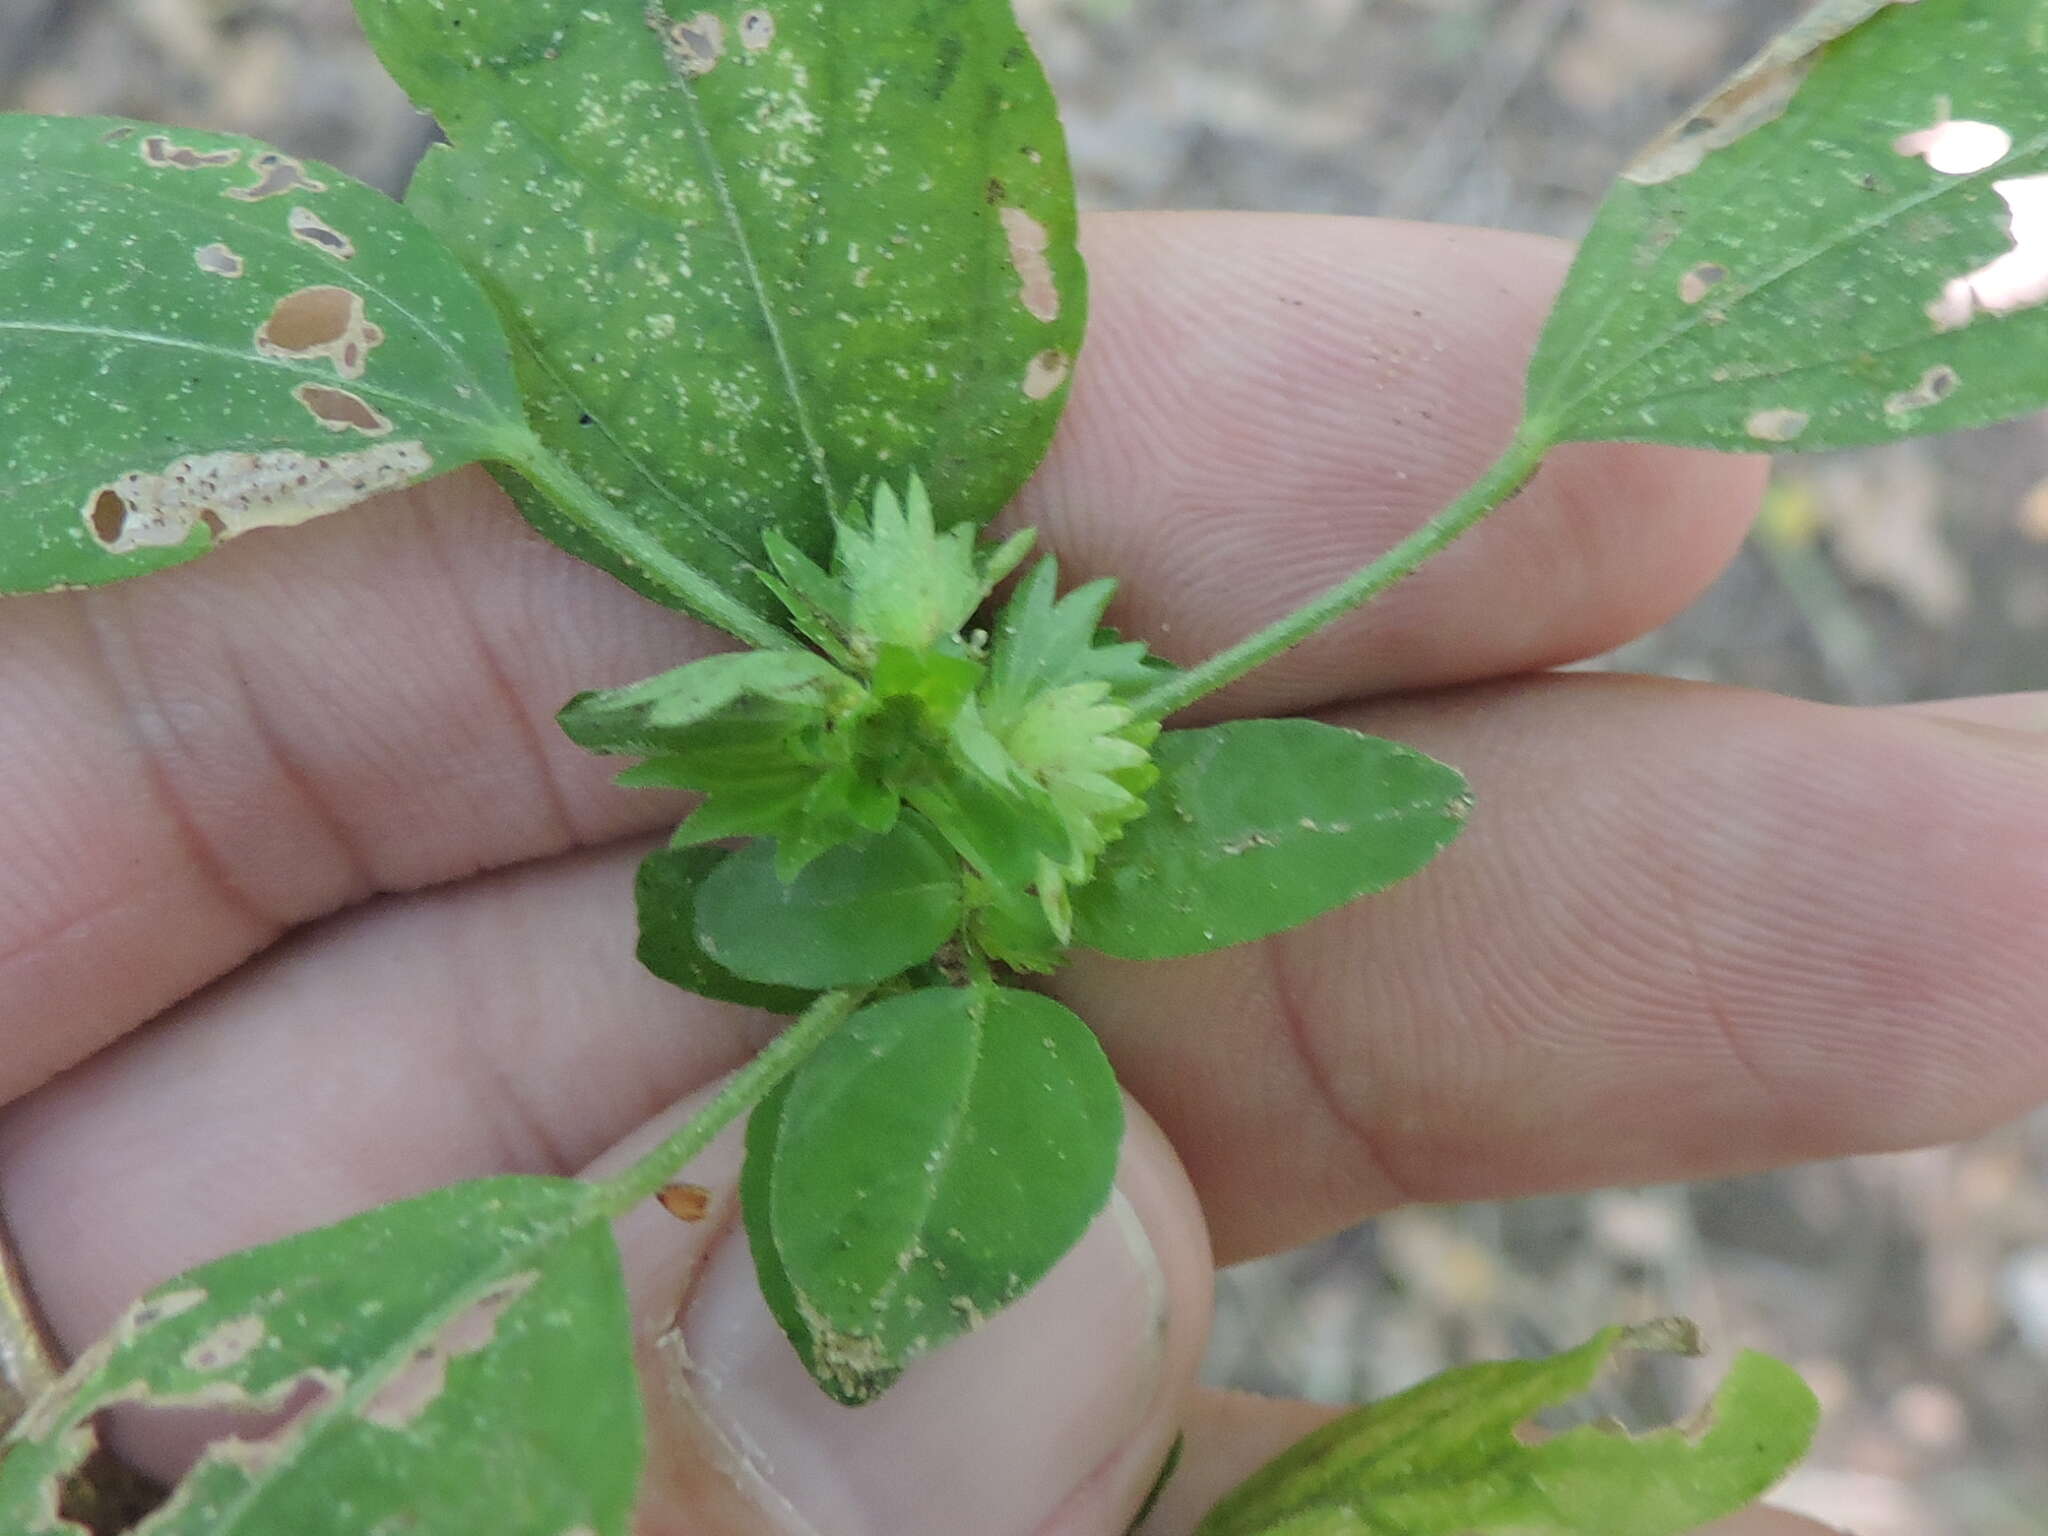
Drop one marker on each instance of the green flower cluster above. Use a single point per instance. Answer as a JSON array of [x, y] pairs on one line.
[[1018, 747]]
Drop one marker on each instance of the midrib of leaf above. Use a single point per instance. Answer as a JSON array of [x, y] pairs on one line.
[[367, 1383], [950, 1140], [284, 240], [784, 362], [1692, 322]]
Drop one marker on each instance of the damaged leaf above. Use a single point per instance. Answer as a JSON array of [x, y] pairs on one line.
[[1450, 1458], [928, 1166], [451, 1364], [1258, 826], [1847, 245], [178, 365], [754, 257]]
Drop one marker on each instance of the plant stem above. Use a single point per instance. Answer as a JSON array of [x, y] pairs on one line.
[[1508, 474], [748, 1087], [577, 500]]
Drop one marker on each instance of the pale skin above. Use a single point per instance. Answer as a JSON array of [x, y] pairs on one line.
[[308, 907]]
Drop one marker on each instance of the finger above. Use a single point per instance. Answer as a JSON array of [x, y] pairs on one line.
[[1690, 932], [192, 763], [1230, 1435], [1266, 404]]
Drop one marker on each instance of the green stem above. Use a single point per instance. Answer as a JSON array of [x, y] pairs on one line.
[[579, 502], [1509, 473], [748, 1087]]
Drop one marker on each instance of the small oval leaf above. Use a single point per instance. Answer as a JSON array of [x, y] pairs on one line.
[[857, 914], [284, 342], [457, 1363], [1257, 826], [1445, 1458], [779, 249], [1844, 246], [665, 893], [934, 1160]]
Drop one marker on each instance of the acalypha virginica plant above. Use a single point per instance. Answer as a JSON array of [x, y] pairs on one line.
[[768, 311]]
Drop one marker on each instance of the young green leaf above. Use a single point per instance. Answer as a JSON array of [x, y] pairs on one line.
[[857, 914], [1258, 826], [1845, 246], [754, 254], [456, 1363], [665, 892], [933, 1160], [770, 693], [200, 336], [1446, 1459]]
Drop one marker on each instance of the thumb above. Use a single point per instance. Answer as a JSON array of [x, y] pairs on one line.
[[1052, 1420]]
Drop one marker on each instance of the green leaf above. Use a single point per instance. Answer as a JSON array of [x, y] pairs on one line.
[[754, 255], [200, 336], [1257, 826], [457, 1363], [768, 693], [1445, 1458], [1833, 251], [858, 914], [665, 891], [935, 1158]]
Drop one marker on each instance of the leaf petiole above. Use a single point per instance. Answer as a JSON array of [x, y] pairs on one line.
[[1508, 474], [578, 501], [748, 1086]]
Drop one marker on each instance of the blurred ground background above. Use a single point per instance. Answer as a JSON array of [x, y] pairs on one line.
[[1911, 1290]]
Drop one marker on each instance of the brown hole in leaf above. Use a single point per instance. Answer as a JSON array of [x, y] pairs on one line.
[[275, 175], [1776, 426], [1045, 374], [415, 1385], [2018, 279], [231, 493], [757, 31], [222, 1422], [1935, 386], [164, 155], [1956, 147], [1756, 95], [339, 410], [1701, 280], [320, 322], [694, 47], [309, 228], [685, 1202], [1039, 294], [227, 1345], [219, 260]]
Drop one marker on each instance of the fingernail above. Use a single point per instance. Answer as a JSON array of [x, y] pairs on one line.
[[990, 1434]]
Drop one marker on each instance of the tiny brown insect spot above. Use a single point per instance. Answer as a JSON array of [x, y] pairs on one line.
[[275, 175], [685, 1202], [1700, 281], [320, 322], [164, 155], [757, 31], [220, 260], [341, 410], [309, 228], [1046, 373]]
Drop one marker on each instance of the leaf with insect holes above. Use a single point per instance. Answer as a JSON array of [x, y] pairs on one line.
[[1447, 1458], [755, 254], [857, 914], [665, 894], [457, 1363], [200, 336], [1848, 245], [1257, 826], [933, 1160]]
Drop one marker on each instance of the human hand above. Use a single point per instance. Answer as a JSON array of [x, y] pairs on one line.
[[337, 916]]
